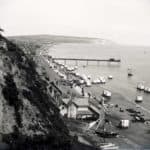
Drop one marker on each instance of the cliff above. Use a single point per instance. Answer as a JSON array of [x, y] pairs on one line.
[[29, 117]]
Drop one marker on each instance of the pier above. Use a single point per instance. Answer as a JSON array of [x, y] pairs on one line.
[[110, 60]]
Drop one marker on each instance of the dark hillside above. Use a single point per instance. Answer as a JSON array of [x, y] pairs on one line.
[[29, 118]]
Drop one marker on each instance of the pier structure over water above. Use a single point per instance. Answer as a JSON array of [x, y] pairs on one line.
[[76, 60]]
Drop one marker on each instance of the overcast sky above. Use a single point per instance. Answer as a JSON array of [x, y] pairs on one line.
[[123, 21]]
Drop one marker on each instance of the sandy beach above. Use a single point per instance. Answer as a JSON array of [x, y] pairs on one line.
[[131, 136], [128, 138]]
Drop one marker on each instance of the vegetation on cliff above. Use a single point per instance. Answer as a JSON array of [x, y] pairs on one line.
[[29, 117]]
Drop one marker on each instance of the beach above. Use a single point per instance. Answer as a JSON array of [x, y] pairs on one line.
[[123, 94]]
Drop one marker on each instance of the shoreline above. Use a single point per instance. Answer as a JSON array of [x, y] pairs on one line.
[[131, 139]]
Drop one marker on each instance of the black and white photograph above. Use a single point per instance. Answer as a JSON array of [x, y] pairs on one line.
[[74, 74]]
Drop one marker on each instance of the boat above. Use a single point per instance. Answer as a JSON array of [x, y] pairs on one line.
[[147, 89], [110, 77], [76, 67], [102, 80], [81, 81], [70, 69], [139, 118], [132, 111], [88, 83], [56, 70], [107, 134], [61, 67], [78, 89], [103, 145], [130, 73], [107, 145], [84, 77], [139, 99], [140, 86], [89, 77], [110, 148], [77, 74], [107, 93], [96, 81], [112, 59], [62, 75], [86, 80]]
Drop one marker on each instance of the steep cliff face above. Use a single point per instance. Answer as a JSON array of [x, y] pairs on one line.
[[28, 116]]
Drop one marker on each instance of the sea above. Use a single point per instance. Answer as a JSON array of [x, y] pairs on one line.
[[134, 57]]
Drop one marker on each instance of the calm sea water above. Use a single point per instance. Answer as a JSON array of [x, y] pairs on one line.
[[137, 58]]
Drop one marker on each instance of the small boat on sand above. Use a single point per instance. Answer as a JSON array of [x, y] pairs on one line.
[[139, 99], [88, 83], [102, 80], [105, 146], [111, 148], [76, 67], [130, 72], [77, 74], [147, 89], [108, 146], [110, 77], [106, 93], [140, 86], [89, 77], [81, 81], [107, 134]]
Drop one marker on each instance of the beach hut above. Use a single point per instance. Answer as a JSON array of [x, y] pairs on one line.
[[124, 123]]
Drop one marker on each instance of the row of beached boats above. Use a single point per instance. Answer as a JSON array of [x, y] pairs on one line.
[[68, 68], [83, 79], [144, 88], [88, 81], [101, 80], [140, 86]]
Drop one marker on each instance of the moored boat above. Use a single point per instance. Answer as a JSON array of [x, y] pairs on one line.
[[139, 99]]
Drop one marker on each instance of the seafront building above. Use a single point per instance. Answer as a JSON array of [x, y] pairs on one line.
[[79, 108]]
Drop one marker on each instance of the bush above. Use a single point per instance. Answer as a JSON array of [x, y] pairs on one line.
[[10, 93]]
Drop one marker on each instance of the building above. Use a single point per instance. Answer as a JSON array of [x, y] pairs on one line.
[[64, 106], [55, 93], [3, 44], [79, 108]]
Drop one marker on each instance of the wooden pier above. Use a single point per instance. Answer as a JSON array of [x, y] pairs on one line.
[[86, 60]]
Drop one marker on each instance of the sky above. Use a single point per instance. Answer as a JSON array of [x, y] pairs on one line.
[[122, 21]]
